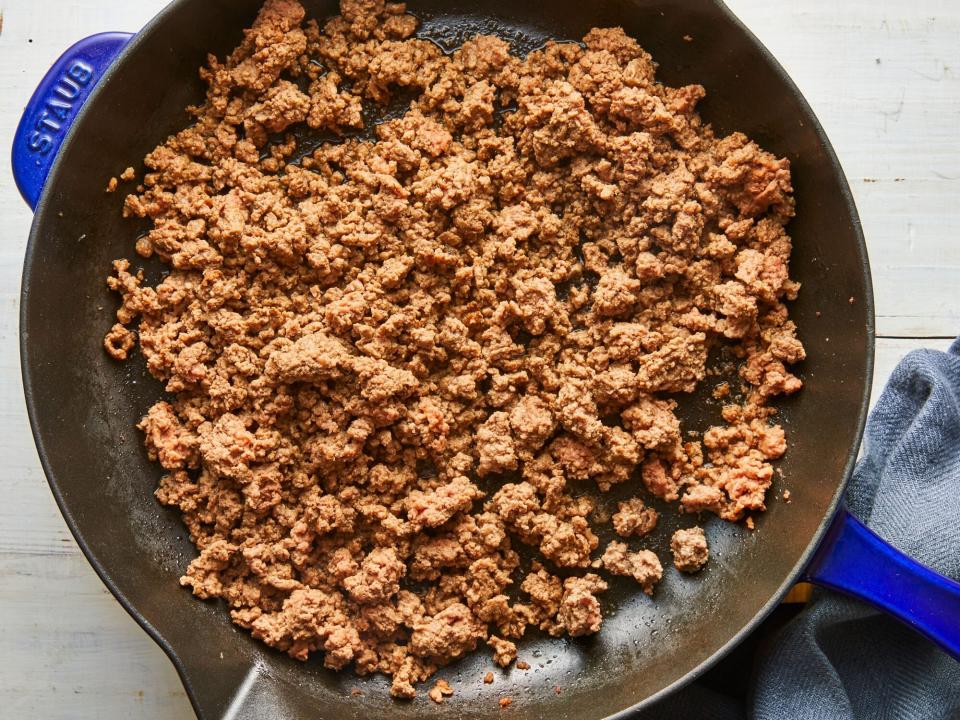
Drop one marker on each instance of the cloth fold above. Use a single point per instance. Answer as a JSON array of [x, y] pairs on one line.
[[840, 659]]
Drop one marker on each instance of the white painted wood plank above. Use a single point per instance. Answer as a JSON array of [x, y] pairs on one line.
[[884, 79], [67, 650]]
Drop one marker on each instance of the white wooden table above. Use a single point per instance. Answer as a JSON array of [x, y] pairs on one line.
[[884, 78]]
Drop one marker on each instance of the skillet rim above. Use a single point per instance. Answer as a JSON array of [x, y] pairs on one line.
[[174, 654]]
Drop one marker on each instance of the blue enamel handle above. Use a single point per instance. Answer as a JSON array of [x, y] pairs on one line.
[[852, 559], [54, 106]]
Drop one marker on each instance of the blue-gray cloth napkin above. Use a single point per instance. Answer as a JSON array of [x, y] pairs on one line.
[[840, 659]]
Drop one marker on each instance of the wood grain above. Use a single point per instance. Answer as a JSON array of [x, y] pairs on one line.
[[884, 79], [890, 101]]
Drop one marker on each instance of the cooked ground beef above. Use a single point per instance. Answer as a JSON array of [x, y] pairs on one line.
[[689, 548], [390, 357], [634, 518], [643, 566]]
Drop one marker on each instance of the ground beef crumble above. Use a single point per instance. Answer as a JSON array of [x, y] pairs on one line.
[[395, 357], [643, 566], [689, 548], [634, 518]]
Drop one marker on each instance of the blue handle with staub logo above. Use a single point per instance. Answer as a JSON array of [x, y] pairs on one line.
[[55, 105]]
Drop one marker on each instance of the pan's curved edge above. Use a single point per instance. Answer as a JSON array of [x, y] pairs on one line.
[[861, 420], [626, 714], [26, 378]]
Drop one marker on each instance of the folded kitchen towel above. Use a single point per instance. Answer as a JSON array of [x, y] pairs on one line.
[[840, 659]]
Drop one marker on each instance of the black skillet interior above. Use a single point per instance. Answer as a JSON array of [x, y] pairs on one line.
[[84, 407]]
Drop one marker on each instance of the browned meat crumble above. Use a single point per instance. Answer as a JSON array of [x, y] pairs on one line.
[[393, 358], [643, 566], [634, 518], [689, 548], [440, 691]]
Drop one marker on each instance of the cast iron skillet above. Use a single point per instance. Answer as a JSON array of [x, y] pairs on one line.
[[83, 406]]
